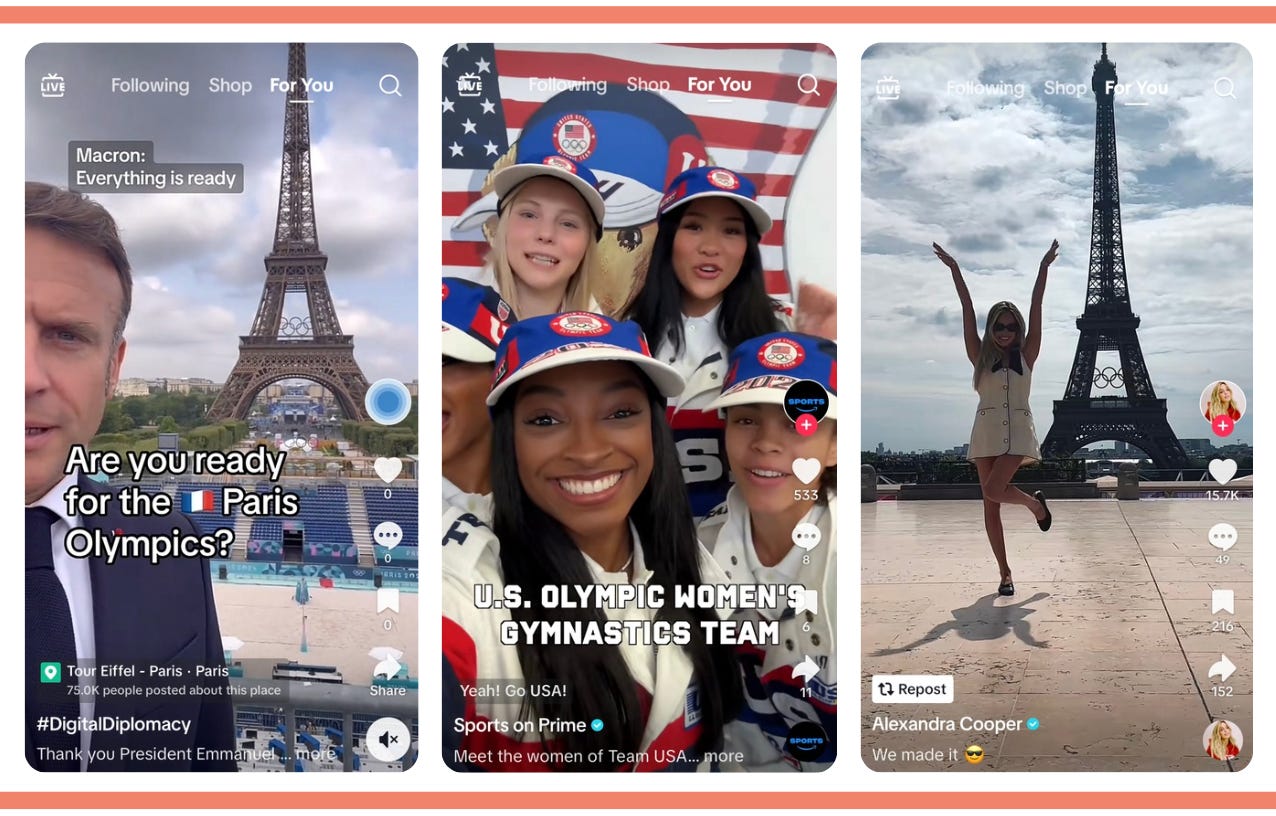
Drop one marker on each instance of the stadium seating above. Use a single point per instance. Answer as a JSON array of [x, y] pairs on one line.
[[325, 514]]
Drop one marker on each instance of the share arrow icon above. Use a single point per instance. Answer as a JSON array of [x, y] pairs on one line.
[[807, 669], [1224, 668]]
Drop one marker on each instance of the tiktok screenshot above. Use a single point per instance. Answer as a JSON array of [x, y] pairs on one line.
[[639, 394], [1057, 469], [221, 407]]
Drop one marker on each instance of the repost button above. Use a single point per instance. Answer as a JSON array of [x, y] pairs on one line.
[[912, 688]]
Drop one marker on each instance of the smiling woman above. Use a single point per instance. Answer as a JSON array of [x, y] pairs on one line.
[[550, 217], [1004, 436], [703, 295], [586, 490]]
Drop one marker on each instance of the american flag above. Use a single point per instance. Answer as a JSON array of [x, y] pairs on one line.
[[760, 125]]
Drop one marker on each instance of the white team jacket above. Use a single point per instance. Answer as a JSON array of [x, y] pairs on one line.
[[472, 650], [774, 699], [705, 383], [480, 504]]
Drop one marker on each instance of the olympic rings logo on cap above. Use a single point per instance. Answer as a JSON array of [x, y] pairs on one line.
[[724, 179], [560, 163], [575, 136], [781, 354], [579, 324]]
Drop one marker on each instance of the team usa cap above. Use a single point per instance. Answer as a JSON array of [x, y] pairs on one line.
[[541, 343], [761, 370], [474, 320], [635, 142], [705, 182], [577, 175]]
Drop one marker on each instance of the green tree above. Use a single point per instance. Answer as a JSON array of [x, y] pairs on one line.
[[114, 419]]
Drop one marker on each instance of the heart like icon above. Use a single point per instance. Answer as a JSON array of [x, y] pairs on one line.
[[1223, 469], [387, 469], [806, 469]]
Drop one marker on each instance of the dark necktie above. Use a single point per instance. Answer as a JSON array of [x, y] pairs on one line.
[[50, 639]]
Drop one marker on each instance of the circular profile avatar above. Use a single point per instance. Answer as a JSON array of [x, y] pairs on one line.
[[1223, 398], [1223, 739]]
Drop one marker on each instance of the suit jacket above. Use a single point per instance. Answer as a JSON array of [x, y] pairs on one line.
[[159, 615]]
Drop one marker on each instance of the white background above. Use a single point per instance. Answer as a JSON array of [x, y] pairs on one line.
[[848, 42]]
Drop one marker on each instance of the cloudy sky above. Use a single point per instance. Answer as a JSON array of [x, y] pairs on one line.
[[995, 177], [198, 259]]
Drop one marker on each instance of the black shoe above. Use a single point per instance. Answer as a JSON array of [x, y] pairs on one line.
[[1007, 588], [1044, 523]]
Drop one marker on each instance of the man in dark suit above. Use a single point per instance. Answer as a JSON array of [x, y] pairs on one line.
[[155, 621]]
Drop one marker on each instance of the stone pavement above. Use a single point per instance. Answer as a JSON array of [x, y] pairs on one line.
[[1107, 641]]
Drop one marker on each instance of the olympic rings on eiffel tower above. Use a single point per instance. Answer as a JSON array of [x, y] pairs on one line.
[[295, 327], [1109, 377]]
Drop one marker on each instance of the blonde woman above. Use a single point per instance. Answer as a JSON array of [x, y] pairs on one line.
[[544, 255], [1003, 437], [1221, 403], [1222, 745]]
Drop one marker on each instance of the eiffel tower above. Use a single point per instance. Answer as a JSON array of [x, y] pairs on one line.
[[278, 347], [1109, 324]]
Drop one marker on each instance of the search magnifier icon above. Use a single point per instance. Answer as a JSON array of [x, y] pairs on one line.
[[809, 84], [1223, 86], [390, 85]]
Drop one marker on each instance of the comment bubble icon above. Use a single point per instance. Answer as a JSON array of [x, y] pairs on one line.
[[807, 536], [1223, 536], [388, 535]]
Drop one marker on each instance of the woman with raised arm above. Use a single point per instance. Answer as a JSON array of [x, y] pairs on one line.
[[1003, 437]]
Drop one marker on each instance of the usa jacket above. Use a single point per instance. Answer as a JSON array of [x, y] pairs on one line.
[[775, 700], [479, 504], [479, 731]]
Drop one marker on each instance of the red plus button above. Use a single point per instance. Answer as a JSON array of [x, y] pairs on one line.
[[806, 425], [1223, 425]]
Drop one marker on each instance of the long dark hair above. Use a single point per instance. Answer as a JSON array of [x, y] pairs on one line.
[[747, 311], [536, 551]]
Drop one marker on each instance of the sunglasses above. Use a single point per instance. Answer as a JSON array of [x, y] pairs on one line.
[[1005, 327]]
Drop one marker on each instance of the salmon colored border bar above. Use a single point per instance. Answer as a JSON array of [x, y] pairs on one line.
[[951, 800], [606, 800], [628, 14]]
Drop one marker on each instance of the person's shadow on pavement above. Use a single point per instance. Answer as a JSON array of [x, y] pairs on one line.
[[982, 620]]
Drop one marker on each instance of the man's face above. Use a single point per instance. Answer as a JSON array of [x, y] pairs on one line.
[[74, 298]]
